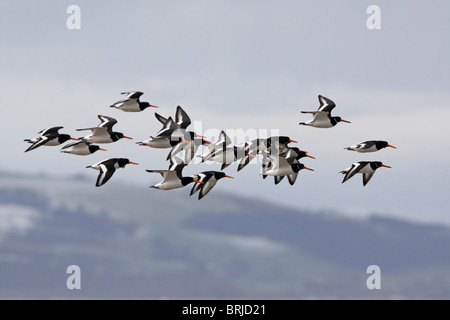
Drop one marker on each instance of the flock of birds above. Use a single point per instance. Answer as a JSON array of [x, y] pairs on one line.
[[278, 158]]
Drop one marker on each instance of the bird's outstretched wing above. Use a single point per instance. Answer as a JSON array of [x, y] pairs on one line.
[[50, 130], [292, 178], [160, 118], [132, 94], [203, 177], [354, 169], [106, 122], [181, 118], [277, 179], [326, 105], [207, 186], [367, 177], [40, 142], [106, 172], [167, 129]]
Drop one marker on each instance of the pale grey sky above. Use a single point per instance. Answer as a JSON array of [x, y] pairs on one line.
[[242, 65]]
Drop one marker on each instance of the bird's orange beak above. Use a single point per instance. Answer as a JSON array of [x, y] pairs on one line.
[[251, 155], [309, 156], [207, 142], [385, 166], [153, 106], [74, 139], [342, 120], [199, 136], [128, 137], [185, 141], [102, 149], [391, 146], [293, 141], [308, 168], [198, 181], [133, 163], [228, 177]]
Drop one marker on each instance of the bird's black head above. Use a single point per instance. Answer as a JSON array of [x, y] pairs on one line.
[[219, 175], [380, 144], [93, 148], [280, 140], [336, 120], [296, 167], [144, 105], [186, 180], [118, 135], [64, 137], [376, 164], [301, 154], [122, 162]]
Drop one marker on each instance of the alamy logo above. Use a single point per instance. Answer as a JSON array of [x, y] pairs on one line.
[[73, 21], [74, 280], [374, 20], [374, 280]]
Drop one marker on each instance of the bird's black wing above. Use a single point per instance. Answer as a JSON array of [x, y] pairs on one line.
[[160, 118], [181, 118], [367, 177], [354, 169], [42, 140], [132, 94], [50, 130], [106, 172]]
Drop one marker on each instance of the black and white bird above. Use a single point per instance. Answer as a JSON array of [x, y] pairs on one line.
[[188, 147], [280, 166], [366, 168], [228, 155], [108, 167], [49, 137], [182, 119], [256, 146], [131, 102], [169, 136], [81, 148], [322, 117], [222, 143], [291, 154], [209, 179], [104, 133], [172, 179], [370, 146]]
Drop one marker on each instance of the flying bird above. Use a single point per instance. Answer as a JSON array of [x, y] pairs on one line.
[[291, 154], [258, 145], [189, 147], [222, 142], [108, 167], [366, 168], [49, 137], [182, 119], [131, 102], [370, 146], [104, 133], [169, 136], [81, 148], [209, 179], [322, 117], [281, 166], [172, 179], [228, 155]]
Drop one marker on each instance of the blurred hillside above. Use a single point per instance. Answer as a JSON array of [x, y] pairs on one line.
[[133, 242]]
